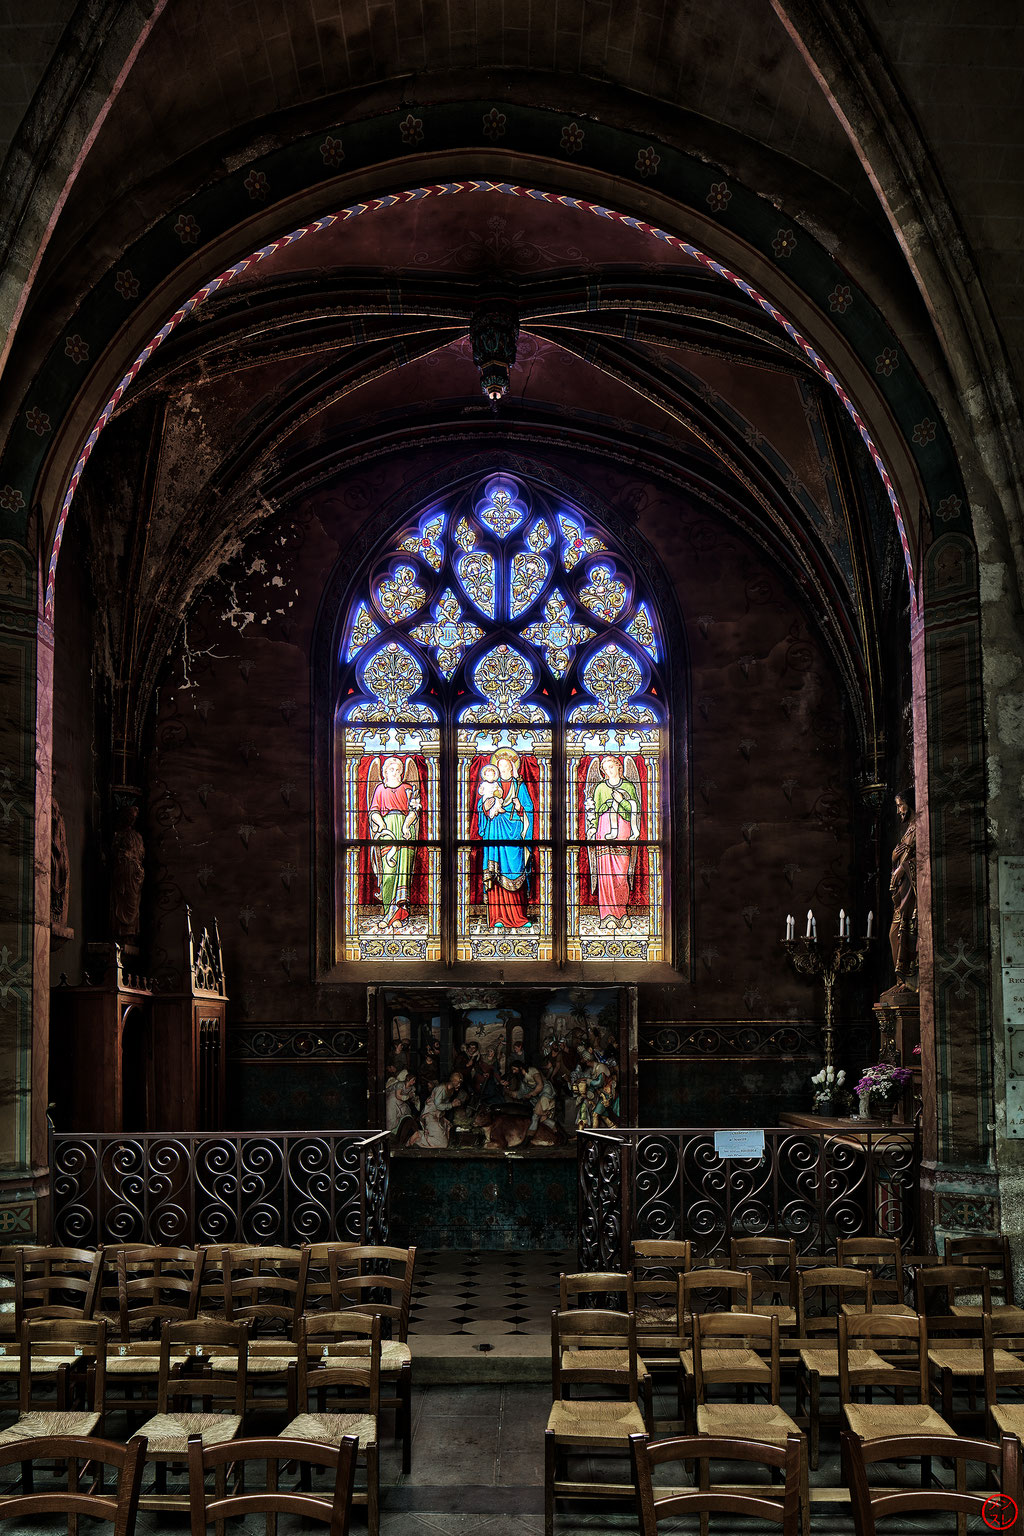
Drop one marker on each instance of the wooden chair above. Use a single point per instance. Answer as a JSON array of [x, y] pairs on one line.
[[660, 1328], [730, 1349], [968, 1359], [870, 1505], [773, 1267], [120, 1508], [1002, 1368], [265, 1288], [382, 1282], [936, 1291], [993, 1254], [79, 1345], [154, 1285], [884, 1258], [590, 1424], [822, 1294], [318, 1275], [906, 1339], [55, 1282], [339, 1352], [333, 1508], [705, 1290], [782, 1509], [601, 1287], [185, 1351]]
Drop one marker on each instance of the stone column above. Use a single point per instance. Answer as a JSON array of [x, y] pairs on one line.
[[26, 683], [960, 1189]]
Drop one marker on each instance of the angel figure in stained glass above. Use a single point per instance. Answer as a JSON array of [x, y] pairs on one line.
[[613, 810], [394, 802]]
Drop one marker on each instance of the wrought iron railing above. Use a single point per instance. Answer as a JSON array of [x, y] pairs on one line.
[[813, 1186], [194, 1188]]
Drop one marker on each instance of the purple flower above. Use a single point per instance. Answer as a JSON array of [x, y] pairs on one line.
[[37, 421], [77, 349], [11, 500], [887, 361], [257, 185], [127, 284], [331, 151], [411, 129], [924, 432], [840, 299], [784, 243], [572, 139], [719, 197]]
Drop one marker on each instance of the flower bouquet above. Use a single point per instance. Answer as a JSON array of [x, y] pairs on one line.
[[828, 1098], [880, 1087]]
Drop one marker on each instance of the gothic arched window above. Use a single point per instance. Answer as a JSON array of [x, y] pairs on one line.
[[500, 738]]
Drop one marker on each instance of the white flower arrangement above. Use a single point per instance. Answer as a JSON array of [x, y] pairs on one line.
[[828, 1088], [828, 1078]]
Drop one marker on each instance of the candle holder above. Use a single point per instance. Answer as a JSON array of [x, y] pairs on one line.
[[829, 959]]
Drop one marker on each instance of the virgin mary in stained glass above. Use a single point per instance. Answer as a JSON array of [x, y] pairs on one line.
[[504, 814]]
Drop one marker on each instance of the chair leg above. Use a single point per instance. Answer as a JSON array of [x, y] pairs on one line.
[[372, 1490], [405, 1396], [704, 1484], [550, 1472], [815, 1416], [648, 1391], [805, 1493]]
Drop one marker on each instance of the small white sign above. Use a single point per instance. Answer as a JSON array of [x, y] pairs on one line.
[[739, 1144]]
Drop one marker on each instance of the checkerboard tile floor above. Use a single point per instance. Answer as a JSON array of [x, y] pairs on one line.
[[486, 1293]]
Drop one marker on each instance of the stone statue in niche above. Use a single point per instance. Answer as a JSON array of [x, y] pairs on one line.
[[128, 875], [60, 870], [903, 889]]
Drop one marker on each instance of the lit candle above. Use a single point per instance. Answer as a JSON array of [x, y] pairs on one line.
[[810, 921], [871, 922], [842, 921], [790, 927]]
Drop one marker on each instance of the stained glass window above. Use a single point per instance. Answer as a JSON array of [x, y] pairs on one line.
[[501, 742]]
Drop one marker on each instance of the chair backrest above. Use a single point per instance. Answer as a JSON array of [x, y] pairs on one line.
[[204, 1337], [265, 1287], [361, 1279], [707, 1290], [596, 1285], [874, 1331], [318, 1274], [991, 1253], [995, 1328], [884, 1257], [55, 1282], [713, 1330], [154, 1284], [816, 1288], [652, 1506], [658, 1256], [938, 1289], [334, 1512], [869, 1506], [596, 1332], [71, 1340], [340, 1350], [772, 1263], [121, 1508]]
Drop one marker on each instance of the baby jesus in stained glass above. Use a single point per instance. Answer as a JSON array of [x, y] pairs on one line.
[[394, 818], [489, 793]]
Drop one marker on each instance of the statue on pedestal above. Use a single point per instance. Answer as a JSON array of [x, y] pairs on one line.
[[903, 889], [60, 871], [128, 874]]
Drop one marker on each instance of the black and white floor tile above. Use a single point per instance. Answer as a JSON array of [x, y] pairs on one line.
[[486, 1293]]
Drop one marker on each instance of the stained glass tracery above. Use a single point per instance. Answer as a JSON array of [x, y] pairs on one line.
[[514, 621]]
